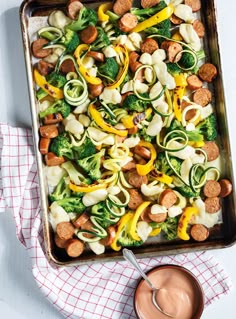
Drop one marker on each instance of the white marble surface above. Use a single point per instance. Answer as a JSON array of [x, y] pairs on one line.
[[19, 294]]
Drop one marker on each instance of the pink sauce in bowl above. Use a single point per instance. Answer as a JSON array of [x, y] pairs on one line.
[[181, 294]]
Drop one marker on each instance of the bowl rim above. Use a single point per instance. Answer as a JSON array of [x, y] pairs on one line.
[[197, 283]]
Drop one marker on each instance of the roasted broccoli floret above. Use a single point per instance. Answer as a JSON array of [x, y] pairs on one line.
[[109, 69], [133, 103], [102, 40], [100, 210], [55, 79], [86, 17], [173, 69], [92, 164], [60, 106], [84, 150], [169, 227], [72, 204], [187, 191], [194, 136], [208, 128], [187, 60], [70, 40], [61, 191], [75, 175], [143, 14], [142, 132], [161, 29], [125, 239], [62, 146], [163, 166]]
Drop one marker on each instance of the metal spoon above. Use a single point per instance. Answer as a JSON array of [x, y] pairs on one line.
[[130, 257]]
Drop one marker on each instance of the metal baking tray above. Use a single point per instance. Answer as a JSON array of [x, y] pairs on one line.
[[223, 235]]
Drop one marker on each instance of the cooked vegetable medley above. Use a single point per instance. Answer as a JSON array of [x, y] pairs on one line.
[[128, 130]]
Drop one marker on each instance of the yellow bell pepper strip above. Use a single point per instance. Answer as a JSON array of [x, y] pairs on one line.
[[97, 117], [130, 121], [155, 232], [135, 219], [102, 16], [86, 188], [123, 71], [146, 168], [161, 177], [88, 78], [177, 36], [184, 220], [125, 219], [179, 91], [53, 91], [155, 19]]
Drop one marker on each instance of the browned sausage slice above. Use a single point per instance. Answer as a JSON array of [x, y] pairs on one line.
[[191, 113], [38, 50], [202, 96], [136, 180], [145, 215], [52, 160], [67, 66], [74, 248], [212, 205], [89, 34], [149, 3], [142, 151], [120, 7], [127, 22], [111, 233], [49, 131], [44, 145], [207, 72], [211, 188], [226, 187], [173, 50], [167, 198], [212, 151], [158, 218], [199, 28], [98, 56], [45, 67], [95, 89], [175, 20], [194, 82], [82, 219], [194, 4], [149, 46], [129, 166], [61, 243], [133, 60], [65, 230], [52, 118], [133, 130], [88, 225], [73, 8], [199, 232], [135, 199]]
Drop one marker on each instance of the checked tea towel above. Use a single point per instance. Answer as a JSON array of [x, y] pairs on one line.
[[99, 291]]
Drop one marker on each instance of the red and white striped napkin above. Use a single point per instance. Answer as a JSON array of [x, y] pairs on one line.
[[89, 291]]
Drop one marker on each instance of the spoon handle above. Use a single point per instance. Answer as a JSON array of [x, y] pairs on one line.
[[130, 257]]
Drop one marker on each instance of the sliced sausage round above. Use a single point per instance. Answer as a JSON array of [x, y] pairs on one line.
[[127, 22], [149, 3], [135, 199], [199, 28], [145, 215], [88, 225], [173, 50], [38, 50], [133, 61], [136, 180], [194, 4], [158, 218], [129, 166], [49, 131], [226, 187], [149, 45], [65, 230], [111, 233], [74, 248], [199, 232], [212, 205], [52, 118], [73, 7], [142, 151], [194, 82], [207, 72], [95, 89], [212, 188], [44, 143], [67, 66], [167, 198], [202, 96], [133, 130], [191, 113], [44, 67], [120, 7], [52, 159], [82, 219], [98, 56], [212, 151], [175, 20], [89, 34], [61, 243]]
